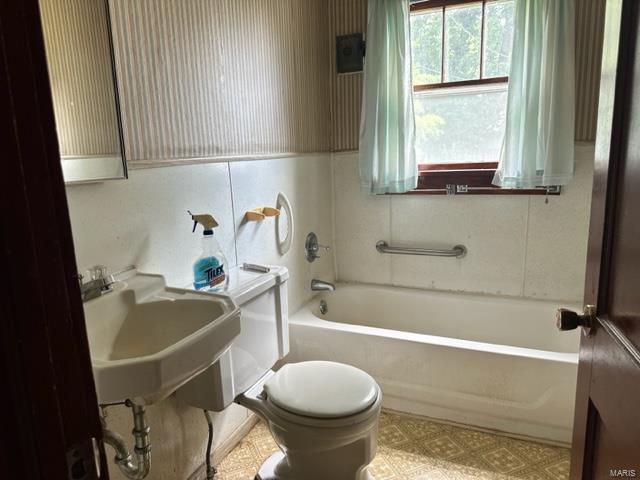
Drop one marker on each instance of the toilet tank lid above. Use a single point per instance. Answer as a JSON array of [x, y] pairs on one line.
[[247, 284]]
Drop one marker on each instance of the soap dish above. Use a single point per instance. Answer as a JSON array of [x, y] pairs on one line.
[[260, 213]]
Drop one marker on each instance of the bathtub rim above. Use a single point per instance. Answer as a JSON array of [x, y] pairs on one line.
[[305, 316], [449, 292]]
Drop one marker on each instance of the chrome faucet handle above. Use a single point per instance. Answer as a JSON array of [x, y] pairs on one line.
[[96, 282], [98, 272], [326, 248], [316, 248], [312, 247]]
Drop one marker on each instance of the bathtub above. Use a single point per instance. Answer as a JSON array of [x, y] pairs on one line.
[[492, 362]]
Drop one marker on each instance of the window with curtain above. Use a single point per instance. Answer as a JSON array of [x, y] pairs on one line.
[[461, 54]]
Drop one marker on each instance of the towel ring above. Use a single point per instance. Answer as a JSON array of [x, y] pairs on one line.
[[284, 244]]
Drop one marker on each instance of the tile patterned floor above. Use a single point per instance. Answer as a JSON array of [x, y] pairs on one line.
[[417, 449]]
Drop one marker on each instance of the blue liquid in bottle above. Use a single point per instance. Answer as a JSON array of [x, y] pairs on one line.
[[209, 270]]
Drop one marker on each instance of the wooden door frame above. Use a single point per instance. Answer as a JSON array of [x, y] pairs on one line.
[[621, 29], [48, 400]]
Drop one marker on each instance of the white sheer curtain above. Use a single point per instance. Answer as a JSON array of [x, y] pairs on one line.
[[539, 139], [387, 129]]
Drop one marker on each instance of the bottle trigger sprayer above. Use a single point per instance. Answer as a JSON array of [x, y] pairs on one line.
[[209, 269]]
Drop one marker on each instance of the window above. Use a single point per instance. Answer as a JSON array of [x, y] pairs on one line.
[[461, 53]]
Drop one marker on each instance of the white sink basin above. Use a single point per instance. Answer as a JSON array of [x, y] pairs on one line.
[[146, 339]]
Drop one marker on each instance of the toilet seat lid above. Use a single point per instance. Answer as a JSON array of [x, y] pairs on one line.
[[322, 389]]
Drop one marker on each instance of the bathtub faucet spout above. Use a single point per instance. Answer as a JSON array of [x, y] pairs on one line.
[[322, 286]]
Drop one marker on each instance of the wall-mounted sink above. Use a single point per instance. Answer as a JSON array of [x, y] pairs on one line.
[[147, 339]]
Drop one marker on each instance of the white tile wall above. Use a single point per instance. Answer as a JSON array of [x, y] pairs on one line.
[[360, 220], [558, 233], [306, 182], [144, 221], [518, 245], [486, 225]]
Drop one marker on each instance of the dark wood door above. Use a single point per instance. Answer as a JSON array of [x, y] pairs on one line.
[[606, 440], [49, 426]]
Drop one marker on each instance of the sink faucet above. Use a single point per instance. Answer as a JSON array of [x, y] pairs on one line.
[[322, 286], [99, 282]]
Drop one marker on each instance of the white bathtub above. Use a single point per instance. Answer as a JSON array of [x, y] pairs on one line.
[[492, 362]]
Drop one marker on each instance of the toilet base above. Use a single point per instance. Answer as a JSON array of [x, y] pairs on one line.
[[268, 469]]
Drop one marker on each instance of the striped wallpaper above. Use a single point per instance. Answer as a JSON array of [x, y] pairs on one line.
[[346, 16], [589, 38], [202, 78], [349, 16], [78, 56]]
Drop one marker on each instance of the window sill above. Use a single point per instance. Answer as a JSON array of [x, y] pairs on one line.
[[484, 191], [467, 179]]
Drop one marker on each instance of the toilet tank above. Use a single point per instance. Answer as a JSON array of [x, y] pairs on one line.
[[263, 340]]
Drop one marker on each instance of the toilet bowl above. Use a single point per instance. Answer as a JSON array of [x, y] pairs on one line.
[[322, 415]]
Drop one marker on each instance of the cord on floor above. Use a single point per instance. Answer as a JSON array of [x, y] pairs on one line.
[[211, 470]]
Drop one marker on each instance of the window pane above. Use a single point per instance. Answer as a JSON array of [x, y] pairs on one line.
[[460, 125], [426, 47], [462, 43], [498, 38]]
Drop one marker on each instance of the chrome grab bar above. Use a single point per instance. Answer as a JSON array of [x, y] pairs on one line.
[[458, 251]]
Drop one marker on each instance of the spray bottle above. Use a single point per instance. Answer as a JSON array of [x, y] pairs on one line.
[[209, 269]]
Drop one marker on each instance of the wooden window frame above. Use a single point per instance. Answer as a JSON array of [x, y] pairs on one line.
[[467, 179], [426, 5], [462, 178]]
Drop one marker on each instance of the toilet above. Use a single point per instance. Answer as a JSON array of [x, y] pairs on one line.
[[323, 415]]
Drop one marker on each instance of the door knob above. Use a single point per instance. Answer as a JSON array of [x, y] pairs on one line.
[[569, 320]]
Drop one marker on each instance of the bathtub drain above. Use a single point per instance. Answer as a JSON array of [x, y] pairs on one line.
[[324, 308]]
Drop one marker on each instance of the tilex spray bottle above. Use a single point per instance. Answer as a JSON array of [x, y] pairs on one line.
[[210, 268]]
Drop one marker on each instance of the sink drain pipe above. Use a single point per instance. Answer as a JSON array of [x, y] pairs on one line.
[[138, 468]]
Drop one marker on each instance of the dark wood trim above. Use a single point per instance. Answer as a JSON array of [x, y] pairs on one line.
[[477, 177], [48, 390], [462, 83], [432, 4], [440, 178], [424, 167], [615, 87]]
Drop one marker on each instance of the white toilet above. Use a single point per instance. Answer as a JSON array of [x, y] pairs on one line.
[[323, 415]]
